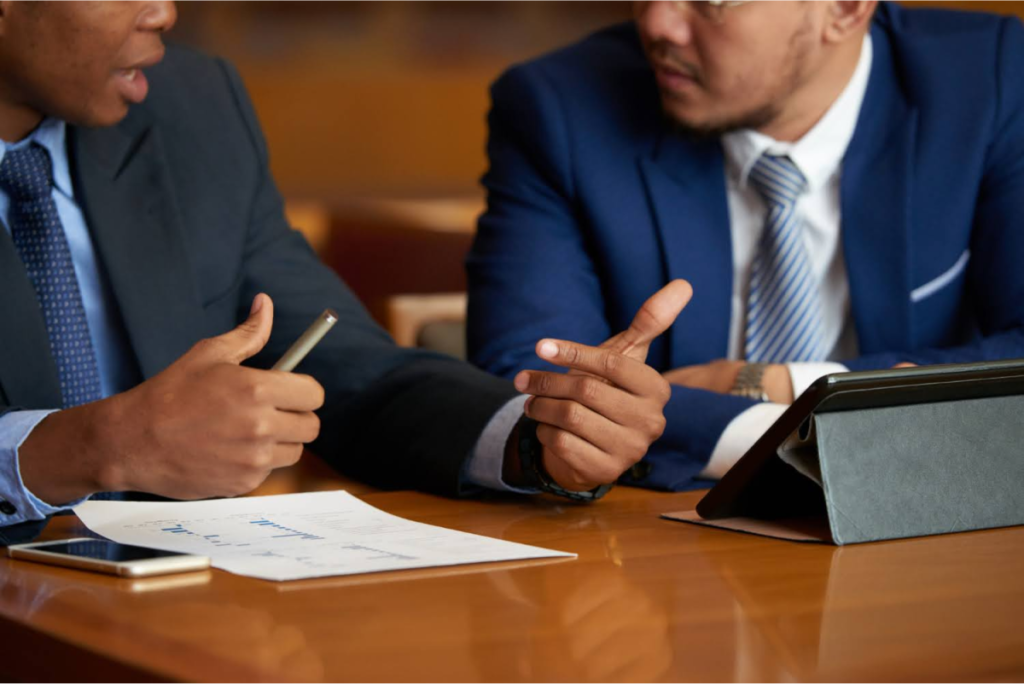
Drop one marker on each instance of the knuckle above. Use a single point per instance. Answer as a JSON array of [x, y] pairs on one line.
[[255, 391], [638, 448], [589, 388], [572, 354], [314, 428], [655, 425], [611, 362], [572, 415], [543, 382], [664, 392], [261, 461], [257, 427], [561, 441]]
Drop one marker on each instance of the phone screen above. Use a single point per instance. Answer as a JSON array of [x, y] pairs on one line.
[[101, 549]]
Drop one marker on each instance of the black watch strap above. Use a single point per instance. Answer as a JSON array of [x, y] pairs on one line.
[[535, 475]]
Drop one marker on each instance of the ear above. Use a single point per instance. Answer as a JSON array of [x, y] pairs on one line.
[[4, 9], [848, 18]]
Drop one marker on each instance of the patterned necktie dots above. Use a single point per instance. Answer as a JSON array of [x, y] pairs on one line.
[[38, 236]]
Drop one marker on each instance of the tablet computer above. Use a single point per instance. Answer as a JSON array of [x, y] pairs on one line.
[[750, 488]]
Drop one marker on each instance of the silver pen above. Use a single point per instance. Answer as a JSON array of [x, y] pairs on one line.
[[302, 346]]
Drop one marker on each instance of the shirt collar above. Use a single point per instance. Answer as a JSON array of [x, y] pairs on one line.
[[820, 151], [51, 134]]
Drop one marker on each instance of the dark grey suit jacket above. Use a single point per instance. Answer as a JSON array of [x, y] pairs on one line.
[[189, 227]]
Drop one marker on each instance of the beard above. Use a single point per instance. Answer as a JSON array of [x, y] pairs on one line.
[[791, 75], [751, 120]]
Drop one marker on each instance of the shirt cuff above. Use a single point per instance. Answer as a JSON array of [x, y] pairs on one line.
[[739, 435], [803, 374], [15, 427], [485, 464]]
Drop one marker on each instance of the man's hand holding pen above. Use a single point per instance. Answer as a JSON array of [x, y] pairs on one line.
[[206, 426]]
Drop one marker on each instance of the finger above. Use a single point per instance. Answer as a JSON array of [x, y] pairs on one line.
[[292, 427], [285, 391], [248, 338], [630, 374], [573, 417], [656, 315], [573, 462], [609, 401], [285, 455]]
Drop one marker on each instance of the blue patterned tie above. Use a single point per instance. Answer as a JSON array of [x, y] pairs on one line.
[[25, 175], [784, 317]]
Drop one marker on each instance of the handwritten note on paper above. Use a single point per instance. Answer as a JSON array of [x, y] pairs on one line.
[[296, 536]]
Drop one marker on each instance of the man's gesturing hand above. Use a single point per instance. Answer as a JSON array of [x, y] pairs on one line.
[[206, 426], [600, 418]]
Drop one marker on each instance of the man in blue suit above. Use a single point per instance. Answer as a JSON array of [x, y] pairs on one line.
[[843, 185]]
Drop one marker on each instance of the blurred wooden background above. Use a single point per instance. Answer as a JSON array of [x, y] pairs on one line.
[[375, 116], [387, 99]]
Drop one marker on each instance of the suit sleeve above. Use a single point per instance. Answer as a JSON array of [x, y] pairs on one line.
[[532, 273], [393, 417], [995, 280]]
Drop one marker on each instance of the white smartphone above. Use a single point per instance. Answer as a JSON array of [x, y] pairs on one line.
[[102, 555]]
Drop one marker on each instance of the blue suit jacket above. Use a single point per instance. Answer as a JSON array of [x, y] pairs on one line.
[[594, 203]]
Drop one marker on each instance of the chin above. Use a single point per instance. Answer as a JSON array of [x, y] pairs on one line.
[[708, 126], [109, 115]]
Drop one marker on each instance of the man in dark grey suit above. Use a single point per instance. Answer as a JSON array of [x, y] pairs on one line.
[[141, 223]]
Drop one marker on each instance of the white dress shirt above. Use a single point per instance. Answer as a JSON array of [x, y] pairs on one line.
[[818, 155]]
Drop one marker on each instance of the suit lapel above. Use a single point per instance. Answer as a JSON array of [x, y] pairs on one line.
[[125, 195], [685, 182], [28, 373], [875, 195]]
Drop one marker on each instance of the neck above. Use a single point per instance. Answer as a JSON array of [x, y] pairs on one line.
[[819, 91], [17, 121]]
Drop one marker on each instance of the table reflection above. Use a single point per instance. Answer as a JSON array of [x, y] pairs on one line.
[[175, 608], [907, 609]]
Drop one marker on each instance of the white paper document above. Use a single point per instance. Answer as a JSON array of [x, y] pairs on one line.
[[296, 536]]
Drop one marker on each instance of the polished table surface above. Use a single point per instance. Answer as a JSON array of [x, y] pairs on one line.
[[647, 599]]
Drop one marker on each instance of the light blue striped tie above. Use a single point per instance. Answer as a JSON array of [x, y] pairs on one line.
[[784, 319]]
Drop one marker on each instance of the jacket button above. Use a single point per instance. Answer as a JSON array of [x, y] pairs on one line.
[[7, 508], [640, 470]]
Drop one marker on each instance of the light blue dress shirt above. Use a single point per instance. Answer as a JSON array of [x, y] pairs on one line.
[[113, 353], [108, 336]]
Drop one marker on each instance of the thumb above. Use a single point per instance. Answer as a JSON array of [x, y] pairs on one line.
[[655, 317], [250, 336]]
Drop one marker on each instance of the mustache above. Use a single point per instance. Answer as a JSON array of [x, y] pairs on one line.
[[663, 56]]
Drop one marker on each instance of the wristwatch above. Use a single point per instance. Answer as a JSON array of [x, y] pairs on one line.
[[748, 382], [535, 475]]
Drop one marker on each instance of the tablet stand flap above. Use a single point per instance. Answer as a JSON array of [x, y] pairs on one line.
[[921, 469]]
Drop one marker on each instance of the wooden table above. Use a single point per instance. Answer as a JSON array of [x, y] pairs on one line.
[[647, 599]]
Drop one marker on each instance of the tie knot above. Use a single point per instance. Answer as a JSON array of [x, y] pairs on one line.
[[26, 174], [777, 179]]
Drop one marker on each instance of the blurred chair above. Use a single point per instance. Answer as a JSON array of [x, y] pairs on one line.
[[432, 321], [388, 247], [313, 220]]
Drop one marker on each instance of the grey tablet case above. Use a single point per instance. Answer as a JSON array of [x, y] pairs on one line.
[[870, 456]]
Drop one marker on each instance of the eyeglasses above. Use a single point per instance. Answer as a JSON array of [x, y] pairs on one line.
[[712, 10]]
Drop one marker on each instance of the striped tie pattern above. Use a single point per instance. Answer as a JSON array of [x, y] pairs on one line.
[[38, 236], [784, 315]]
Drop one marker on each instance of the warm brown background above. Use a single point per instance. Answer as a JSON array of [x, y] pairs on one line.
[[388, 98], [375, 117]]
